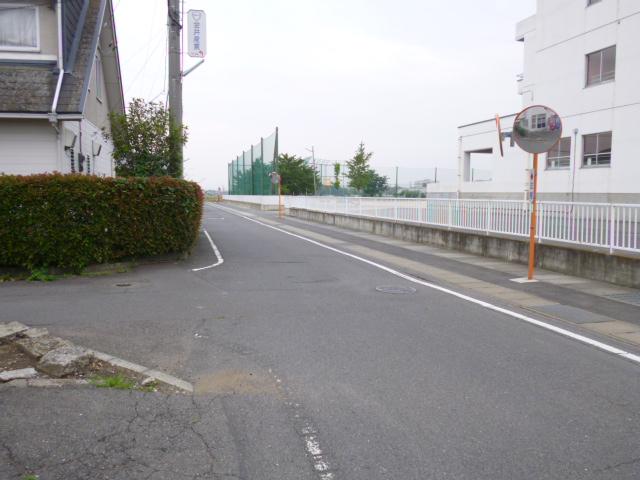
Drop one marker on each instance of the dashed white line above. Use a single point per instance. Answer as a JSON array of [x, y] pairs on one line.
[[567, 333], [215, 251]]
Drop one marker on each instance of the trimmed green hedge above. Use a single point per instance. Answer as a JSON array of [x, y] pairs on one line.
[[71, 221]]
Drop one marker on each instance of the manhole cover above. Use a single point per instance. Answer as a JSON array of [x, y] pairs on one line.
[[395, 290]]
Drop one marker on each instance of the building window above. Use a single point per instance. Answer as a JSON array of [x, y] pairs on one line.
[[596, 150], [601, 66], [19, 28], [560, 156], [98, 78], [539, 121]]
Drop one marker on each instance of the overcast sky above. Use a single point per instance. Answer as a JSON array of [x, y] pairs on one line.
[[400, 75]]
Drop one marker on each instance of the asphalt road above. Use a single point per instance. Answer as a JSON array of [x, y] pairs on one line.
[[295, 353]]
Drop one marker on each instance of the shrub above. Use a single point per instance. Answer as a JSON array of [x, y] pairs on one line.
[[70, 221]]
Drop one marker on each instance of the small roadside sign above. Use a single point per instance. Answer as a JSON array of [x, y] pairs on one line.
[[197, 33]]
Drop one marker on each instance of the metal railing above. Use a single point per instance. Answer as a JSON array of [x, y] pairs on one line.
[[602, 225]]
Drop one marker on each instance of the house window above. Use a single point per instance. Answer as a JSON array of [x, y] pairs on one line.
[[19, 28], [596, 150], [560, 156], [601, 66], [98, 78], [539, 121]]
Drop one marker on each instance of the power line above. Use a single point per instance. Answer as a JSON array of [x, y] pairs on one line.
[[144, 65]]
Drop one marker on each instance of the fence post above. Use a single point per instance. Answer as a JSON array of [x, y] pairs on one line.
[[612, 227], [488, 222], [395, 209]]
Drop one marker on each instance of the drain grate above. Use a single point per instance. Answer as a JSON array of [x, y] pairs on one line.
[[123, 284], [395, 290], [630, 298]]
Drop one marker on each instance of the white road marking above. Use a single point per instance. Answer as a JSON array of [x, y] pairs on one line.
[[575, 336], [215, 250]]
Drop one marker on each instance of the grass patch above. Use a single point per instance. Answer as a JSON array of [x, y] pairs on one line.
[[40, 275], [119, 382], [30, 477]]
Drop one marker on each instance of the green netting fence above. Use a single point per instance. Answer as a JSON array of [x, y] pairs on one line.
[[249, 172]]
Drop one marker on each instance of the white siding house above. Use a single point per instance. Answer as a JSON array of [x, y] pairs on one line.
[[59, 79], [581, 58]]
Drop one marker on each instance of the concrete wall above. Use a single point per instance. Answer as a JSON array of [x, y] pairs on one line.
[[582, 262]]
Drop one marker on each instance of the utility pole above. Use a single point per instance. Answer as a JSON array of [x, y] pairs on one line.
[[174, 24]]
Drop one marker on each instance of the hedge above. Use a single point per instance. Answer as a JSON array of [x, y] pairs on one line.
[[71, 221]]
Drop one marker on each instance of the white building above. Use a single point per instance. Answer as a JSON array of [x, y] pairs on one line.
[[581, 58], [59, 79]]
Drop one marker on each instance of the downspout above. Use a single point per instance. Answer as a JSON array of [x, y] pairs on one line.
[[53, 116]]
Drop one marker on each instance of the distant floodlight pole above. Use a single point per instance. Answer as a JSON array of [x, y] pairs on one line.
[[537, 129], [426, 187], [396, 182], [313, 162], [276, 179]]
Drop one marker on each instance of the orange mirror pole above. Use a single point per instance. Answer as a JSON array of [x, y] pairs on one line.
[[534, 212], [280, 205]]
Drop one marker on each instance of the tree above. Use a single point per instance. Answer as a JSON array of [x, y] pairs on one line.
[[376, 185], [364, 178], [146, 141], [359, 172], [336, 173], [297, 176]]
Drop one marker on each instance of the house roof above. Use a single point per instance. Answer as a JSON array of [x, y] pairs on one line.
[[27, 88], [30, 88]]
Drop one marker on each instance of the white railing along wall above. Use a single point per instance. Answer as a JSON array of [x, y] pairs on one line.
[[602, 225]]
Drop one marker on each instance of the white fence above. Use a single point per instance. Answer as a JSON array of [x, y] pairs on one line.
[[603, 225]]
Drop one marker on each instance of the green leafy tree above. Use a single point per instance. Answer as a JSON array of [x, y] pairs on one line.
[[336, 174], [364, 178], [376, 185], [297, 176], [146, 141], [359, 172]]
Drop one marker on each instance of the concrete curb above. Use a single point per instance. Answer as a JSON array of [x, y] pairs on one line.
[[159, 376], [11, 333]]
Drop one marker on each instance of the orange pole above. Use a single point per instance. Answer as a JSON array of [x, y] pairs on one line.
[[534, 212], [280, 209]]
